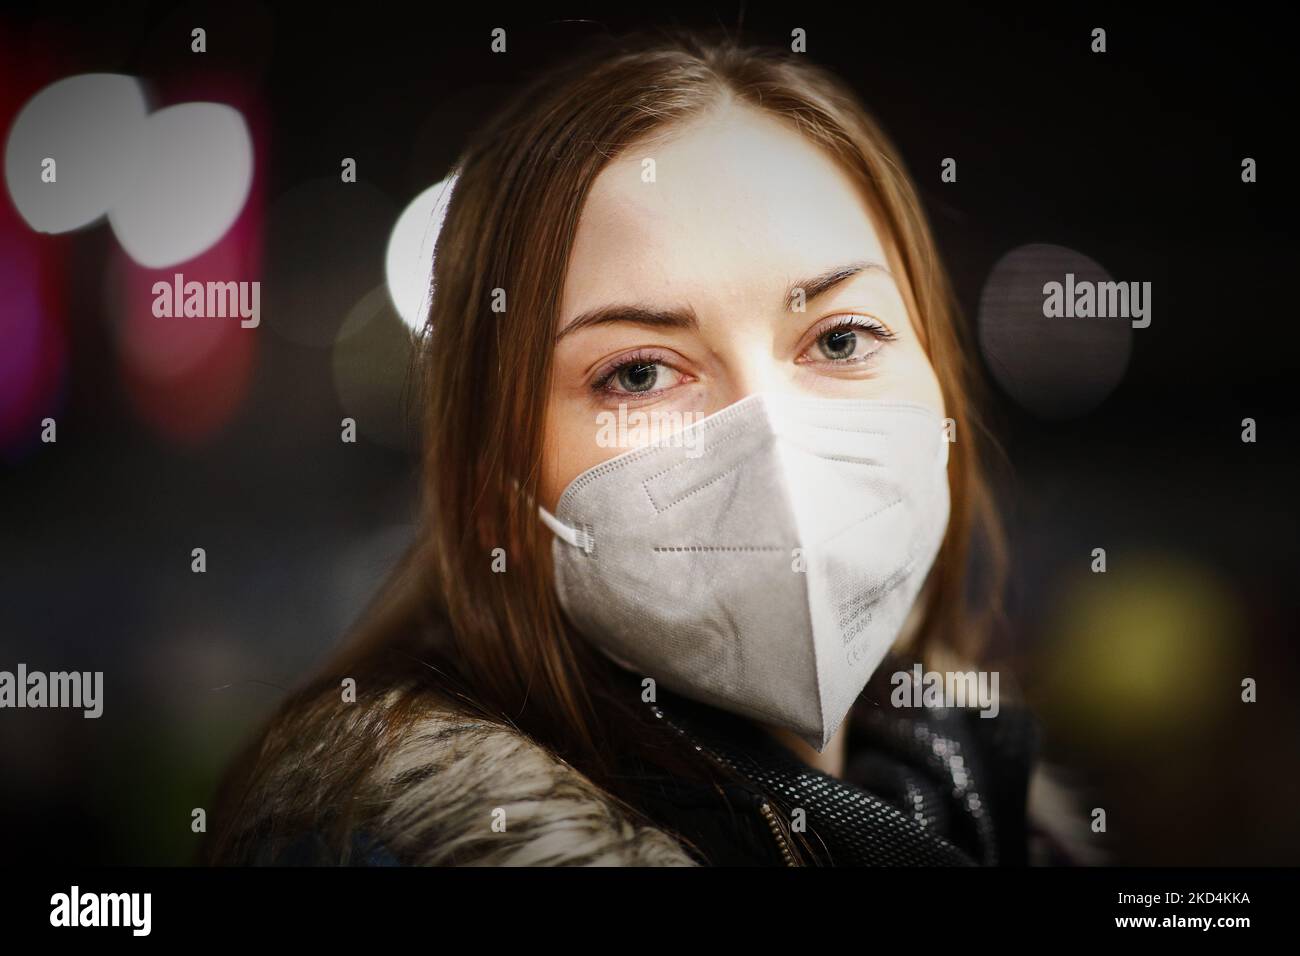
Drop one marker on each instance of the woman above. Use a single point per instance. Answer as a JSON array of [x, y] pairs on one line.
[[700, 474]]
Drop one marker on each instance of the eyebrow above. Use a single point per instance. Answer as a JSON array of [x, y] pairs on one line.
[[829, 279], [685, 318]]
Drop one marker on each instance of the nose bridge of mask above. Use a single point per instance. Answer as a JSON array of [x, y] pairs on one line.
[[807, 434]]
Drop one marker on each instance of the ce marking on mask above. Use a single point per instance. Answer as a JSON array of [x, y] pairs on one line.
[[858, 652]]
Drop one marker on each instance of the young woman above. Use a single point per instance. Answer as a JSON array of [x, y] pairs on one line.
[[701, 474]]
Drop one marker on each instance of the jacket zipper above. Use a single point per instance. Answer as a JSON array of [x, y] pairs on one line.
[[775, 827], [764, 807]]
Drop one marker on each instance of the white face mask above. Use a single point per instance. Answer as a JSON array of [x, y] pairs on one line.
[[764, 559]]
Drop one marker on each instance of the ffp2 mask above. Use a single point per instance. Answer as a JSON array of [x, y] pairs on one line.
[[765, 562]]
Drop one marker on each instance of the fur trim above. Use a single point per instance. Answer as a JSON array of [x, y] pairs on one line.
[[451, 790]]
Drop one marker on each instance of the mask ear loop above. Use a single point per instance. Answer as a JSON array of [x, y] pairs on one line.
[[575, 536]]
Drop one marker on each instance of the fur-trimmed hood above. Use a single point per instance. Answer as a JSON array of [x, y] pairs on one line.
[[451, 790]]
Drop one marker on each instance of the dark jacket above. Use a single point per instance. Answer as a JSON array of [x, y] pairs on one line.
[[942, 787], [919, 787]]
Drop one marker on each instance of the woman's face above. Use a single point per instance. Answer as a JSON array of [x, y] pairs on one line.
[[678, 302]]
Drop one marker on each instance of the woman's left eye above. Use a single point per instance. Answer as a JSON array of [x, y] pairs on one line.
[[850, 339]]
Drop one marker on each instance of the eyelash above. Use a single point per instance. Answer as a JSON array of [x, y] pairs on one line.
[[649, 357]]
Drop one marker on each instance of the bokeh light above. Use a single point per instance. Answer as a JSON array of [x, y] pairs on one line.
[[408, 262], [190, 175], [187, 377], [171, 182], [1055, 368], [89, 125], [1143, 653]]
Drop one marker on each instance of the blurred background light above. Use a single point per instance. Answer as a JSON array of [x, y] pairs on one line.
[[171, 182], [1054, 368], [187, 377], [1145, 652], [91, 126], [409, 259], [189, 177]]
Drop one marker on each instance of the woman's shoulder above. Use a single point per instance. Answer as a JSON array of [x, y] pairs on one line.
[[398, 775]]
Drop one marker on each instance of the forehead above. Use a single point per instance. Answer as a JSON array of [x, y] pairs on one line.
[[739, 198]]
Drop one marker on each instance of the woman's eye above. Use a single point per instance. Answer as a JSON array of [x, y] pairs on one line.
[[851, 340], [640, 377], [637, 376], [838, 343]]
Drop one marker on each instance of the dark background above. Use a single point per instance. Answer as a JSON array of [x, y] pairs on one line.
[[1131, 158]]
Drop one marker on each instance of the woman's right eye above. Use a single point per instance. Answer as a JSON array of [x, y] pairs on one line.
[[636, 376]]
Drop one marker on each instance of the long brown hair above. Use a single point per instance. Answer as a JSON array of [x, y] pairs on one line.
[[498, 645]]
